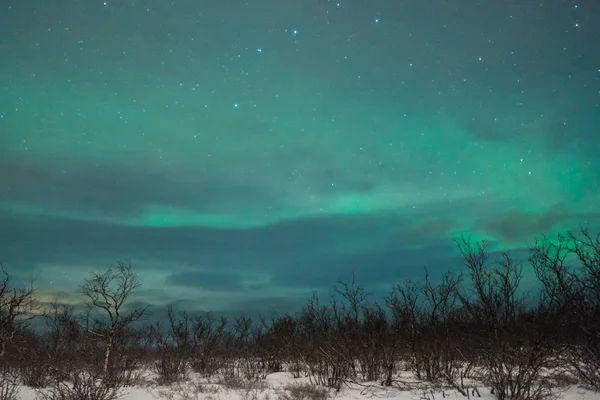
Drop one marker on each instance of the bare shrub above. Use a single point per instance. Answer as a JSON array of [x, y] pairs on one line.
[[207, 340], [35, 366], [173, 348], [243, 350], [354, 335], [304, 392], [16, 306], [514, 349], [326, 333], [563, 379], [83, 384], [425, 313], [188, 391], [169, 366], [516, 374], [232, 382], [63, 339], [569, 269], [9, 384], [253, 391], [276, 343]]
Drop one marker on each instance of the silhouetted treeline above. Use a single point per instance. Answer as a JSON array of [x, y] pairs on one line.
[[464, 328]]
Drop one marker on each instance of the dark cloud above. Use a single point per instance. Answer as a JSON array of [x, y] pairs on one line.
[[308, 254], [216, 279], [434, 228], [573, 130], [305, 254], [516, 226], [117, 190], [73, 241], [264, 305], [370, 267]]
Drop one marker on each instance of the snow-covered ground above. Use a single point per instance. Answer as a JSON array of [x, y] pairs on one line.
[[281, 386]]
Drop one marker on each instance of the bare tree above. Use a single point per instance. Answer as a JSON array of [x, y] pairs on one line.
[[16, 306], [586, 360], [513, 347], [107, 293], [173, 347], [424, 312], [208, 338], [568, 267]]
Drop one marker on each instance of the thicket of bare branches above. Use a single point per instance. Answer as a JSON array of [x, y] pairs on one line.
[[473, 325], [513, 348], [16, 307], [569, 268], [9, 384]]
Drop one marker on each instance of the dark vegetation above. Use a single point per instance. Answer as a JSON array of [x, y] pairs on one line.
[[458, 330]]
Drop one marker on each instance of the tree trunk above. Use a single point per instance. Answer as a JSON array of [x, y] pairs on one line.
[[107, 354]]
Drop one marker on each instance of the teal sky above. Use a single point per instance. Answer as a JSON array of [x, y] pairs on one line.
[[246, 153]]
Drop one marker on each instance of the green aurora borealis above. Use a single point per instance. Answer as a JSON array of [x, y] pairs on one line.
[[244, 154]]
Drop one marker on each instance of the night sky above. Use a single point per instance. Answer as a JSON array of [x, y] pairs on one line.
[[244, 154]]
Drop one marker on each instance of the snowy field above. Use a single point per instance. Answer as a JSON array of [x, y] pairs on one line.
[[281, 386]]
